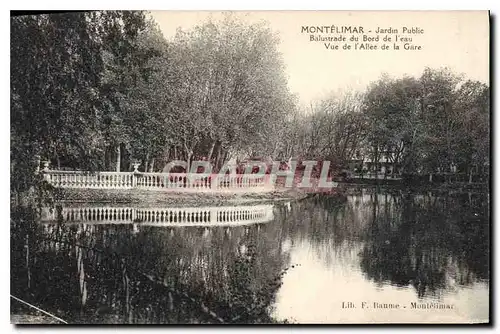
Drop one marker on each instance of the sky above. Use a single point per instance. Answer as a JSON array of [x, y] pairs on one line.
[[455, 39]]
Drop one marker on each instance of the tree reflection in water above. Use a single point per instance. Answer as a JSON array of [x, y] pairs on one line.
[[120, 274], [133, 273], [432, 242]]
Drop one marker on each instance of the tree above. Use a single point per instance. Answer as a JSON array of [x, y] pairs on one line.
[[431, 123], [133, 51], [55, 67], [230, 96], [473, 145]]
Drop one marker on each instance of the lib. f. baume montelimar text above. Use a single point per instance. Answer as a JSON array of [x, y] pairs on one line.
[[395, 306]]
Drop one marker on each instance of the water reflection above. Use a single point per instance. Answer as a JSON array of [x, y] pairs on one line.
[[159, 216], [387, 248], [113, 273], [431, 243], [298, 266]]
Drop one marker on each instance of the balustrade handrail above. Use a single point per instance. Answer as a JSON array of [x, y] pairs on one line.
[[157, 181], [57, 171], [201, 175], [81, 172]]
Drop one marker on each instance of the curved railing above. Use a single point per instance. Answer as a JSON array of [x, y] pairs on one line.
[[98, 180], [158, 181], [189, 216]]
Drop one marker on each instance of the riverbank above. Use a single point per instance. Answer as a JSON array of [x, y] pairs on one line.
[[136, 196], [393, 184]]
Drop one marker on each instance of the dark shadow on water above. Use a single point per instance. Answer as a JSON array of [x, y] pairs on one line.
[[116, 273], [86, 273], [424, 241]]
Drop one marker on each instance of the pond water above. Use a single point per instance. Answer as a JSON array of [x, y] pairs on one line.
[[378, 256]]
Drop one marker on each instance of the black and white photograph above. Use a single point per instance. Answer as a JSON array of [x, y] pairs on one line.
[[250, 167]]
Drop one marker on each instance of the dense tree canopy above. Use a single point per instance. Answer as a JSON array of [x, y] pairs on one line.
[[101, 90], [422, 125]]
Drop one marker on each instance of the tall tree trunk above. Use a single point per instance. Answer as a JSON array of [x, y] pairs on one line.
[[211, 151], [470, 175], [118, 157], [166, 156], [217, 159], [151, 168], [103, 161], [146, 162], [58, 161], [189, 155], [188, 151], [106, 159]]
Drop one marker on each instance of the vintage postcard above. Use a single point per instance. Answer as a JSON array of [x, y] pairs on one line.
[[276, 167]]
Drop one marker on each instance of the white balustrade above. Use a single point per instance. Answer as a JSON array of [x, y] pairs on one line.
[[105, 180], [158, 181], [194, 216], [242, 181]]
